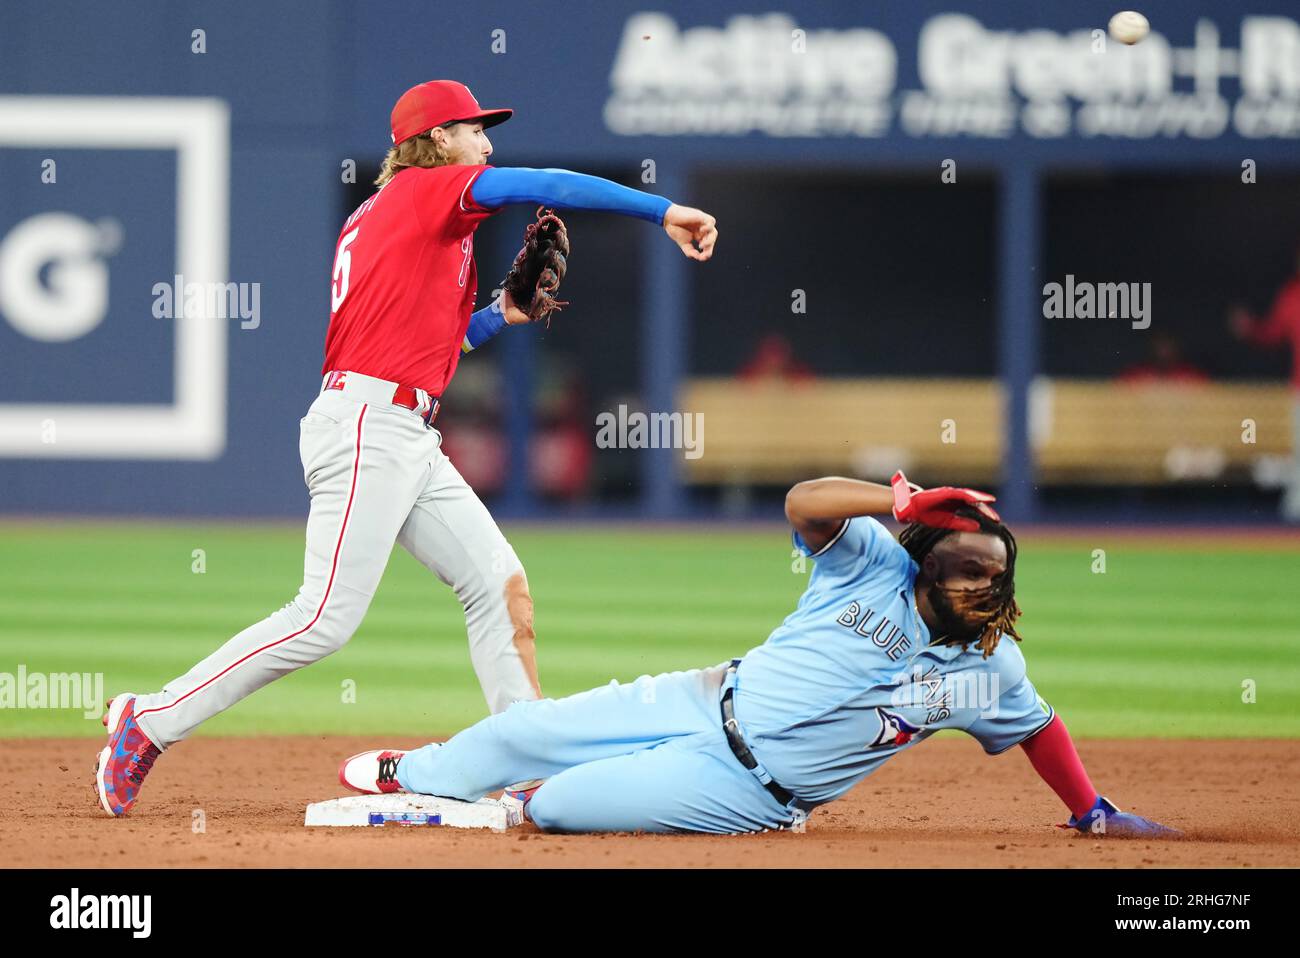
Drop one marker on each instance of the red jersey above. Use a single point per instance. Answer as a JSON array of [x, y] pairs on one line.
[[1282, 324], [404, 279]]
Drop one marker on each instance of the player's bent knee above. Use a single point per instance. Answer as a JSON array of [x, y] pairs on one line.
[[562, 817], [546, 811], [566, 805], [336, 624]]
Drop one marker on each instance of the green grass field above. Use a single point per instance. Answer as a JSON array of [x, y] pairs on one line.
[[1159, 645]]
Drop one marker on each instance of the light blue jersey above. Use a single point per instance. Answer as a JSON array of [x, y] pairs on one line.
[[847, 681], [850, 679]]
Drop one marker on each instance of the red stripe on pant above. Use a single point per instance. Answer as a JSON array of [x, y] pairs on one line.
[[338, 547]]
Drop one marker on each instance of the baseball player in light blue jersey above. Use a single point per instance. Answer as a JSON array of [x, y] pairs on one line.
[[892, 641]]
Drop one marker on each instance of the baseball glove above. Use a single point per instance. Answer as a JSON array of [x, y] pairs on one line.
[[538, 270]]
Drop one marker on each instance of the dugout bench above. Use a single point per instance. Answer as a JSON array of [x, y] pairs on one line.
[[950, 430]]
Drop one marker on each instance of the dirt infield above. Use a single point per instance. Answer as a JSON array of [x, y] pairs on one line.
[[944, 804]]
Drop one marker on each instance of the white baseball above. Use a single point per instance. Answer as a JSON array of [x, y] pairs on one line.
[[1129, 26]]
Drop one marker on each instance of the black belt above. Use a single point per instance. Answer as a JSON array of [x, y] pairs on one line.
[[741, 750]]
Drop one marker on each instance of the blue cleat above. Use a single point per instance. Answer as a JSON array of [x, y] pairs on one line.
[[1104, 819]]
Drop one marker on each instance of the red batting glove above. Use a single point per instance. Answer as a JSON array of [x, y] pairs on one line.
[[938, 507]]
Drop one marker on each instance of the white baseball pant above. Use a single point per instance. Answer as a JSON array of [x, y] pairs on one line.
[[376, 475]]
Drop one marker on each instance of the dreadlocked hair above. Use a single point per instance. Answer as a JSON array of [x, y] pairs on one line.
[[996, 606]]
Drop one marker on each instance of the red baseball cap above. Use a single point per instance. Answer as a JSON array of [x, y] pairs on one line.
[[437, 102]]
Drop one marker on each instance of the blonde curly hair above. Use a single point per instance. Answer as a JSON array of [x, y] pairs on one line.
[[421, 150]]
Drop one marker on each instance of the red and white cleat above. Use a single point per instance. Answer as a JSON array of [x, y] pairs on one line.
[[126, 760], [373, 772]]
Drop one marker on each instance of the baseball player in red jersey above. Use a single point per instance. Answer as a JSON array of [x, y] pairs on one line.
[[401, 301]]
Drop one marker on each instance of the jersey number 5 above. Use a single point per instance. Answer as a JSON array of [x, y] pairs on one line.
[[342, 267]]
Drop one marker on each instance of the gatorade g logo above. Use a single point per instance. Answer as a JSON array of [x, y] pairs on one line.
[[894, 730], [57, 294], [53, 275]]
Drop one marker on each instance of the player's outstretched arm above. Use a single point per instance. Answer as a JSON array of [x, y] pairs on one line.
[[694, 231], [1052, 753], [817, 508]]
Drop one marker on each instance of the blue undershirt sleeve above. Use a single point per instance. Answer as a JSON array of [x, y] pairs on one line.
[[483, 325], [499, 186]]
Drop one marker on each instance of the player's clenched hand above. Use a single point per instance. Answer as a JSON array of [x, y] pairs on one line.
[[938, 507], [688, 228]]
